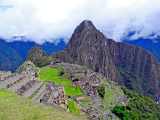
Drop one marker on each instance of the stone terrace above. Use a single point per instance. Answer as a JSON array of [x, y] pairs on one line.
[[26, 84], [83, 77]]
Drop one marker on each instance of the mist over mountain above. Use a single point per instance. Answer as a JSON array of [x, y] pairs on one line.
[[14, 53], [114, 18]]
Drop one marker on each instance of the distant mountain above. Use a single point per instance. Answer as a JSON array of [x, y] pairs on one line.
[[150, 44], [13, 54], [129, 65], [9, 57]]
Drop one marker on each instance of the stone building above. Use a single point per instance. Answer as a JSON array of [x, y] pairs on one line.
[[54, 95], [89, 83]]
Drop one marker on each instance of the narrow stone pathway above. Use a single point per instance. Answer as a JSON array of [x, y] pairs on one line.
[[33, 89], [37, 97]]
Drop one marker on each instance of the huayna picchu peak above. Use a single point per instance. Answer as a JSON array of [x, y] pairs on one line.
[[86, 24], [126, 64]]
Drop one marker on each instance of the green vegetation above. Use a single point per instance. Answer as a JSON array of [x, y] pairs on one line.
[[134, 82], [73, 91], [138, 108], [58, 77], [73, 107], [45, 60], [39, 57], [49, 74], [112, 92], [124, 114], [101, 91], [13, 107]]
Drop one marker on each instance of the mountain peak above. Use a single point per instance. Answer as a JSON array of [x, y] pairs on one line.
[[117, 61], [86, 34], [85, 25], [86, 29]]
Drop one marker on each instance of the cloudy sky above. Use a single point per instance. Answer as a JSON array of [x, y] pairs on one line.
[[43, 19]]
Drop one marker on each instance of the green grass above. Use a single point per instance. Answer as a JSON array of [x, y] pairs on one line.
[[72, 91], [14, 107], [138, 108], [49, 74], [53, 75], [73, 107]]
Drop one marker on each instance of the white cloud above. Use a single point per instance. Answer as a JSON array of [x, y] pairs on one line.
[[57, 18]]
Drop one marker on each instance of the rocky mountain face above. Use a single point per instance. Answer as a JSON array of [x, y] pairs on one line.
[[88, 46], [138, 69], [150, 44], [129, 65]]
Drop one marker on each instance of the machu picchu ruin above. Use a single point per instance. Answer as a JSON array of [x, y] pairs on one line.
[[72, 83]]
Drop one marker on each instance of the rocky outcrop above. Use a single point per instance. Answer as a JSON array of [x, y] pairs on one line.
[[38, 57], [27, 67], [128, 65], [88, 46], [139, 70]]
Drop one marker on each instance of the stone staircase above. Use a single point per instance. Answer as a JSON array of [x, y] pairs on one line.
[[40, 93]]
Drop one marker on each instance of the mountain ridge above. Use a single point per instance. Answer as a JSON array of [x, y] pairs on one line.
[[150, 44], [13, 54], [129, 65]]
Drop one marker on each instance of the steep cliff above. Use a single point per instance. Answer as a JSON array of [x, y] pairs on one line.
[[127, 64], [87, 47], [138, 69]]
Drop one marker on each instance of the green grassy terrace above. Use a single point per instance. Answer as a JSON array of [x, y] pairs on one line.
[[14, 107], [73, 107], [49, 74]]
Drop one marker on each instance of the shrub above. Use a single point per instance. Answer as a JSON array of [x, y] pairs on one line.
[[139, 108], [101, 91], [73, 107]]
